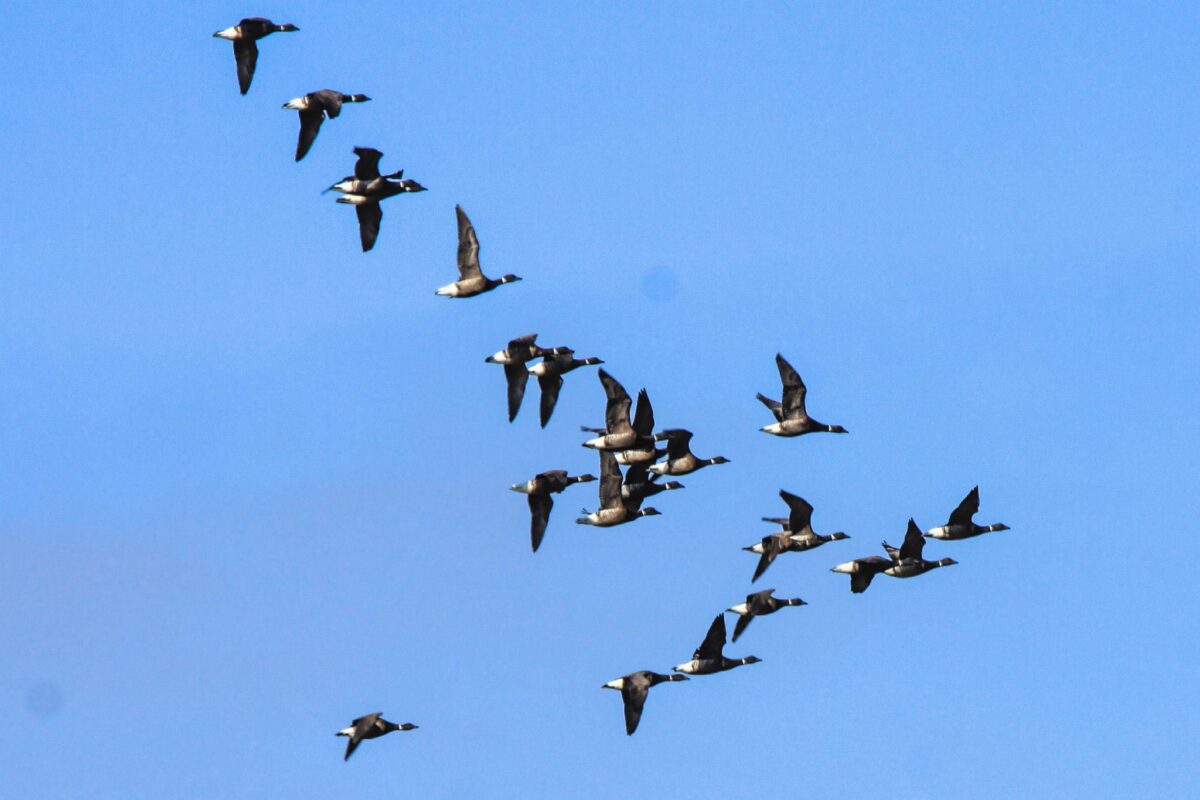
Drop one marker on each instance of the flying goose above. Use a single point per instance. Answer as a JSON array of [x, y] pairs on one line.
[[471, 280], [709, 656], [513, 359], [759, 604], [366, 205], [372, 726], [550, 376], [366, 175], [613, 510], [791, 417], [796, 537], [618, 433], [680, 460], [634, 688], [961, 525], [862, 570], [908, 559], [245, 36], [538, 489], [313, 108]]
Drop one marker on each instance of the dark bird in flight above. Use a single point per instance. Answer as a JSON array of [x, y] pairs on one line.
[[245, 36], [905, 561], [614, 509], [618, 433], [366, 188], [471, 280], [680, 460], [549, 374], [796, 537], [640, 484], [538, 489], [372, 726], [759, 604], [513, 358], [313, 108], [709, 656], [961, 525], [791, 416], [634, 688]]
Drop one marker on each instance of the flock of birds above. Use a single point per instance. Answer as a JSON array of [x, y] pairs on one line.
[[628, 437]]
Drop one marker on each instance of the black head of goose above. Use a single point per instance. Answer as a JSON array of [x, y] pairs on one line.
[[634, 689], [471, 280], [791, 415], [759, 604], [618, 431], [539, 488], [314, 107], [961, 524], [245, 36], [680, 459], [549, 374], [613, 509], [710, 657], [371, 726], [513, 359]]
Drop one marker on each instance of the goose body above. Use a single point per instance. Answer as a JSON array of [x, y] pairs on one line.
[[709, 657], [797, 537], [613, 509], [619, 433], [314, 107], [471, 280], [634, 689], [245, 36], [791, 415], [366, 188], [549, 373], [538, 489], [680, 459], [759, 604], [961, 524], [371, 726]]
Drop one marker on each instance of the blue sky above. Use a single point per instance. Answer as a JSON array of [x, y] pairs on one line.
[[254, 482]]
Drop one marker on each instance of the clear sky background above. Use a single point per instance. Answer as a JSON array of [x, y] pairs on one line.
[[254, 482]]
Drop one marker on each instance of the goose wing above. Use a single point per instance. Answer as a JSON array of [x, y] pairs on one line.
[[775, 406], [967, 509], [550, 384], [517, 377], [610, 480], [634, 692], [367, 166], [800, 516], [771, 549], [362, 726], [370, 214], [714, 641], [310, 125], [245, 52], [914, 542], [794, 390], [539, 511], [616, 412], [643, 415], [678, 440], [739, 627], [468, 247], [760, 602]]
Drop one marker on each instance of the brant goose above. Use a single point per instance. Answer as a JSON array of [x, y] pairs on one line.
[[791, 417], [908, 560], [313, 108], [862, 570], [759, 604], [613, 509], [680, 460], [539, 488], [633, 688], [366, 177], [471, 280], [366, 205], [550, 373], [372, 726], [618, 433], [513, 358], [796, 537], [244, 36], [961, 524], [639, 484], [709, 657]]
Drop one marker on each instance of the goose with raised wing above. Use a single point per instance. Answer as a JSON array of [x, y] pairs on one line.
[[549, 374], [618, 433], [538, 489], [791, 415], [614, 510], [797, 536], [680, 459], [759, 604], [909, 559], [471, 280], [961, 524], [710, 656], [245, 36]]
